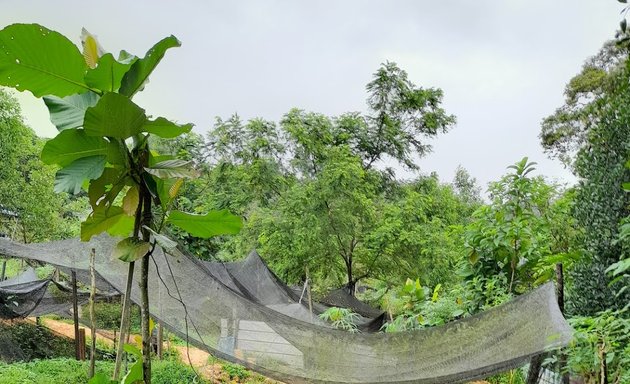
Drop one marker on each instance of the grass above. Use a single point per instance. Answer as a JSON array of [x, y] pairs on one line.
[[70, 371]]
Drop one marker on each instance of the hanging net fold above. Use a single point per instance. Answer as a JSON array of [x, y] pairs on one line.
[[189, 298]]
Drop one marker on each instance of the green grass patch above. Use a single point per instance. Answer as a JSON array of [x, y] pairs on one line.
[[70, 371]]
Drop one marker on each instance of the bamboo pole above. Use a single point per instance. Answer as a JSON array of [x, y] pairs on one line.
[[75, 315]]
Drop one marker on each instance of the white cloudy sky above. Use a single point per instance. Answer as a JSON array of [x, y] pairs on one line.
[[502, 64]]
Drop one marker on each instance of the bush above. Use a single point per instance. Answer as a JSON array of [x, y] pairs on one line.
[[607, 334]]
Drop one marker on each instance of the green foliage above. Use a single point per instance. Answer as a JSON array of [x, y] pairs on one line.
[[42, 61], [236, 372], [208, 225], [70, 371], [108, 316], [513, 236], [31, 211], [514, 376], [67, 370], [401, 113], [606, 335], [313, 197], [341, 318], [414, 306], [590, 132]]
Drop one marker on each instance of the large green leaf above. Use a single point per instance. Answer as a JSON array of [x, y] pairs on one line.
[[114, 115], [70, 178], [68, 112], [106, 187], [162, 240], [136, 77], [130, 249], [211, 224], [111, 219], [165, 128], [172, 169], [108, 75], [39, 60], [73, 144]]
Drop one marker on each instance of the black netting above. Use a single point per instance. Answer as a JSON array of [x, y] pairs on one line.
[[242, 330], [19, 300]]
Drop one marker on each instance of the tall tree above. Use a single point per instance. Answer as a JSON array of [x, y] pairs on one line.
[[591, 131], [37, 213]]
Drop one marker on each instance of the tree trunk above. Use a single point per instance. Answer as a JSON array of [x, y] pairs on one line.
[[126, 311], [92, 314], [4, 270], [351, 283], [124, 323], [144, 288]]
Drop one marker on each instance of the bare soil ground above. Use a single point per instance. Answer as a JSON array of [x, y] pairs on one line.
[[196, 357]]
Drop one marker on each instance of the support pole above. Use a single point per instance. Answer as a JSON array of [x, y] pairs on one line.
[[75, 315], [160, 340], [308, 292], [82, 344], [4, 269], [124, 323], [562, 359]]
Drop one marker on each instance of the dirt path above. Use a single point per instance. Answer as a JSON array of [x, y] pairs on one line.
[[194, 356]]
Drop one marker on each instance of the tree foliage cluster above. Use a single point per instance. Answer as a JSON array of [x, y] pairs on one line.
[[316, 195], [591, 132], [29, 209]]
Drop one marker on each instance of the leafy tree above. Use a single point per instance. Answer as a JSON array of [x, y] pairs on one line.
[[103, 144], [400, 114], [466, 187], [36, 213], [595, 122], [512, 236]]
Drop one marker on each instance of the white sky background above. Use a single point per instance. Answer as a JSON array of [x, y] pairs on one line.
[[502, 65]]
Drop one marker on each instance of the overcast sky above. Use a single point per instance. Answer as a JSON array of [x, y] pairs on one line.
[[502, 65]]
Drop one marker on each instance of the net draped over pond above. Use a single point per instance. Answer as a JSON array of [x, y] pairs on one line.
[[268, 338]]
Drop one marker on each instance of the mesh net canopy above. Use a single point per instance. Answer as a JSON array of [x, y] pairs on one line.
[[224, 317]]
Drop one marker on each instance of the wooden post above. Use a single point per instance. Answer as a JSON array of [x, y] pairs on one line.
[[124, 323], [308, 292], [4, 269], [92, 314], [75, 314], [81, 344], [160, 338], [562, 359]]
